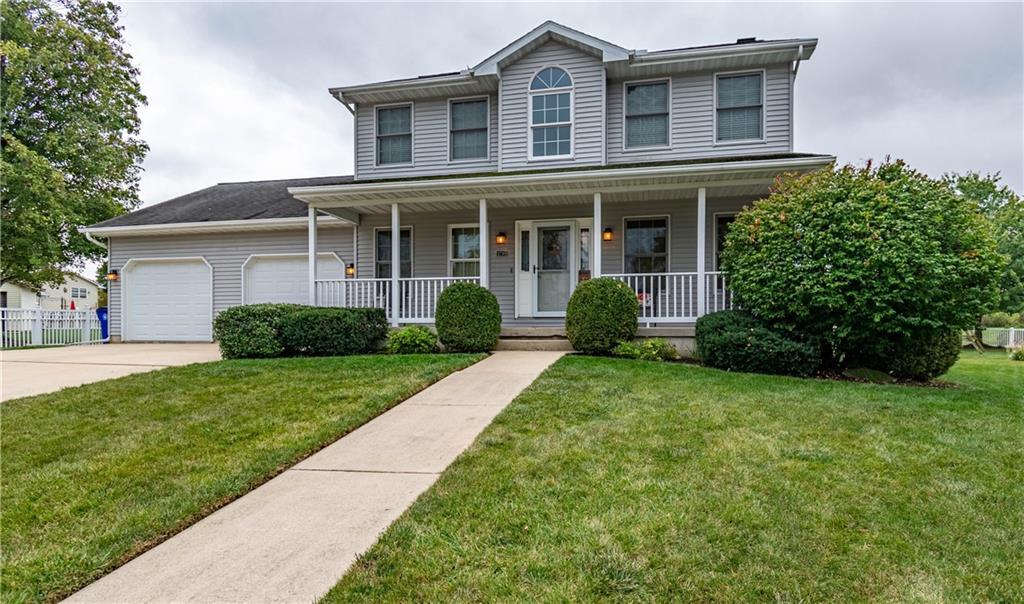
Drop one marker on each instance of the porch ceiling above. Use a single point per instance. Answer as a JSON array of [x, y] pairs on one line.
[[725, 178]]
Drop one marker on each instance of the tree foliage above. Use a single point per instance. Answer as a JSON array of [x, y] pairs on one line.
[[1005, 209], [71, 152], [863, 258]]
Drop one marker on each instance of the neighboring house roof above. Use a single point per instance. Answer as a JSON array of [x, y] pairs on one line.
[[229, 201]]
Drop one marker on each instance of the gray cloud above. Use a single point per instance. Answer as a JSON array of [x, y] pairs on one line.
[[238, 91]]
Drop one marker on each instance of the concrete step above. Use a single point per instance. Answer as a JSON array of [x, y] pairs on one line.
[[550, 344]]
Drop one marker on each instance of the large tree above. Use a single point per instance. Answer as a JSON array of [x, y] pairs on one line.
[[1005, 209], [71, 152]]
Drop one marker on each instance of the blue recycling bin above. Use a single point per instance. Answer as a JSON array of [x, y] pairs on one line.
[[101, 314]]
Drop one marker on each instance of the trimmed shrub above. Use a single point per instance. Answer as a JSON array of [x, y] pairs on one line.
[[650, 349], [601, 314], [413, 339], [1017, 354], [251, 331], [468, 318], [333, 331], [717, 322], [735, 341], [928, 355]]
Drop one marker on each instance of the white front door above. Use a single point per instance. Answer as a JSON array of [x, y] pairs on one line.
[[554, 268]]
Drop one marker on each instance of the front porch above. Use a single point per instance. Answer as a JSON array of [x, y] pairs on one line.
[[531, 238]]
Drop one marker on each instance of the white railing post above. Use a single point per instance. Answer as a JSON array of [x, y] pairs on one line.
[[485, 255], [311, 227], [396, 264], [595, 237], [701, 248], [37, 327], [86, 328]]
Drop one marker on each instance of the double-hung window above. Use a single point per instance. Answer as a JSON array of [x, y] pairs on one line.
[[551, 114], [739, 109], [647, 114], [394, 135], [467, 125], [382, 259], [646, 245], [464, 250]]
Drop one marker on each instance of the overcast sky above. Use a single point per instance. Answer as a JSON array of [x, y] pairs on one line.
[[238, 91]]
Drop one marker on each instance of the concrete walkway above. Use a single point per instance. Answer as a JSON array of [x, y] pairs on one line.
[[41, 370], [293, 538]]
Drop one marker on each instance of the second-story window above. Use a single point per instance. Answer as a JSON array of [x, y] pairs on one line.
[[551, 114], [647, 115], [739, 107], [467, 122], [394, 135]]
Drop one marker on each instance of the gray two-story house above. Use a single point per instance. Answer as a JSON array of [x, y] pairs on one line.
[[559, 158]]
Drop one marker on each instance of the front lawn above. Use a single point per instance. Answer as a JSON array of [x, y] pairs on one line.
[[96, 474], [627, 480]]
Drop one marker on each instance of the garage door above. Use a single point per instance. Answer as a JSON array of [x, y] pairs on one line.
[[286, 278], [168, 301]]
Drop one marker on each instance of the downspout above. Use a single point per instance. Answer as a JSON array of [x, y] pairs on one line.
[[792, 93]]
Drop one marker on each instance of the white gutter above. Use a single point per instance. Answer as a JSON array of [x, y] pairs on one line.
[[430, 82], [209, 226], [310, 193], [730, 51]]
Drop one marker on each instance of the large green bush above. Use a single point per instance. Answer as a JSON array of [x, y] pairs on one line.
[[412, 339], [735, 341], [862, 258], [601, 314], [1002, 319], [251, 331], [927, 355], [468, 318], [333, 331]]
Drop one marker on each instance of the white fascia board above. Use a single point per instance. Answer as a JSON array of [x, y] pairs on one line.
[[310, 194], [212, 226], [408, 83], [806, 45], [609, 51]]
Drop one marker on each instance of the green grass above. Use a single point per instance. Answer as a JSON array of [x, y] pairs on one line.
[[96, 474], [616, 480]]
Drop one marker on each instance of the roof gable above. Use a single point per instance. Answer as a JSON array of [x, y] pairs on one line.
[[540, 35]]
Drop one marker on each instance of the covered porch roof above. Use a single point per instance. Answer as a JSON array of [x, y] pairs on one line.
[[751, 175]]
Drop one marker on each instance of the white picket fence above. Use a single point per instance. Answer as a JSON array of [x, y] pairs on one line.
[[1010, 337], [20, 327]]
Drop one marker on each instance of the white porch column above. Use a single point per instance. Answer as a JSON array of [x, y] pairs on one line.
[[396, 264], [311, 227], [485, 246], [702, 297], [596, 237]]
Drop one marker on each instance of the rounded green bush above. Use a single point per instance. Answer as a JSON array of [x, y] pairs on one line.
[[468, 318], [251, 331], [710, 325], [333, 331], [412, 339], [925, 356], [601, 314]]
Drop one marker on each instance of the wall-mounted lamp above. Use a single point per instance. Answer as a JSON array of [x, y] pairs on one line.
[[607, 234], [112, 275], [501, 238], [350, 270]]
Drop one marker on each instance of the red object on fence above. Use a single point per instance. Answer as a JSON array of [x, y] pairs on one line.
[[72, 305]]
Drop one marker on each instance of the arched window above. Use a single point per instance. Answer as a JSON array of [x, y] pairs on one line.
[[551, 114]]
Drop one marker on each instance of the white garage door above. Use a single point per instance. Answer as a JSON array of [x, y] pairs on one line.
[[286, 278], [168, 301]]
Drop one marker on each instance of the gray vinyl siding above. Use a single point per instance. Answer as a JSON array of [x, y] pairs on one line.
[[692, 120], [430, 232], [225, 252], [429, 140], [588, 92]]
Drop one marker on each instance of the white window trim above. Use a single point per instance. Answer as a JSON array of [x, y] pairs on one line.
[[448, 144], [451, 258], [764, 109], [412, 135], [572, 115], [668, 241], [412, 251], [625, 138], [714, 237]]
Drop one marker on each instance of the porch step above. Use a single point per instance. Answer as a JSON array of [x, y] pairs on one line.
[[549, 344]]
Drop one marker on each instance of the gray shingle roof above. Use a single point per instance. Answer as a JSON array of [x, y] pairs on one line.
[[228, 201]]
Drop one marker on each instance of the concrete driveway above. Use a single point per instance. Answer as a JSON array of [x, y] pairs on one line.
[[40, 370]]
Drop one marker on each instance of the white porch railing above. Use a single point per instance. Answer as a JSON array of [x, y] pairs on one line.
[[417, 295], [673, 297], [21, 327]]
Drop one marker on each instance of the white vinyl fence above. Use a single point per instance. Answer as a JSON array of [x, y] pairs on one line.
[[1010, 337], [21, 327]]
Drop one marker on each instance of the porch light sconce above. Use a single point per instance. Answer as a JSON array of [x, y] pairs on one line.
[[112, 275], [350, 270], [501, 238], [607, 234]]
